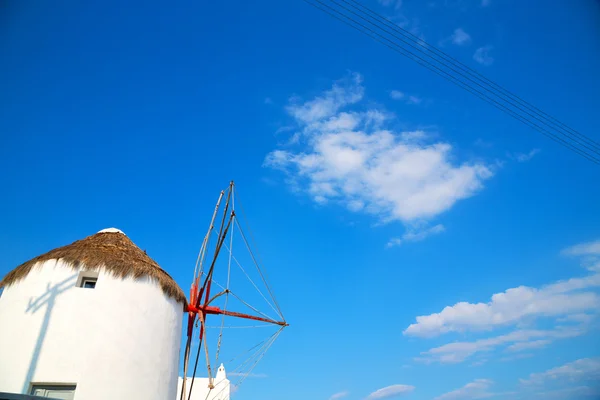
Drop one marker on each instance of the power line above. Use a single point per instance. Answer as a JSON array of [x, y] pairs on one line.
[[387, 33], [473, 73]]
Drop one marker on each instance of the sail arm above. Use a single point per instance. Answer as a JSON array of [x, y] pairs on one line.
[[218, 311]]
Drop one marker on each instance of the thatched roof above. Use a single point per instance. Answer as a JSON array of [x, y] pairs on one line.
[[110, 250]]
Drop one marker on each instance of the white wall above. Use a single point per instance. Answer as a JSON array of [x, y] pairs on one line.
[[120, 340], [201, 391]]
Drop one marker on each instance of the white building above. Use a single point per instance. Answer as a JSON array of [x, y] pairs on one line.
[[97, 319], [202, 391]]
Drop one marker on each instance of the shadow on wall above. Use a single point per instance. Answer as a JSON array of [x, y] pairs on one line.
[[48, 300]]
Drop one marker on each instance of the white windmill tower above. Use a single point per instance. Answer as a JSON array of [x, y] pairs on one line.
[[97, 319]]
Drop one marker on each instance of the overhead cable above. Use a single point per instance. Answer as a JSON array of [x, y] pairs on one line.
[[379, 28]]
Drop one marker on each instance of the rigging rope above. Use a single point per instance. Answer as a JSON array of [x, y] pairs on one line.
[[263, 276], [249, 306], [261, 357], [228, 282], [240, 327], [247, 351], [260, 272], [203, 324], [243, 375], [194, 374], [255, 286]]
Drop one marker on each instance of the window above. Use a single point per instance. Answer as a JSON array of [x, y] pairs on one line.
[[88, 283], [87, 279], [66, 392]]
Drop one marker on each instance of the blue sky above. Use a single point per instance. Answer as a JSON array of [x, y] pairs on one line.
[[422, 244]]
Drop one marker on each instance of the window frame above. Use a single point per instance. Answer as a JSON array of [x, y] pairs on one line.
[[85, 281], [48, 387], [87, 276]]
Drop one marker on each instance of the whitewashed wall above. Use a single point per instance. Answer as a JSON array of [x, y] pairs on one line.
[[201, 391], [120, 340]]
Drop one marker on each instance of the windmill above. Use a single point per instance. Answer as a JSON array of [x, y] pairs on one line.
[[203, 299]]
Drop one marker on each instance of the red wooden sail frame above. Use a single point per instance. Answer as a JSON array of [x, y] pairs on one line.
[[200, 308]]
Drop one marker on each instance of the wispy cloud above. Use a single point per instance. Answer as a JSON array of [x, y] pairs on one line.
[[414, 100], [339, 395], [514, 357], [535, 344], [583, 249], [523, 157], [408, 99], [571, 393], [416, 235], [349, 158], [390, 391], [457, 352], [579, 370], [396, 95], [482, 55], [460, 38], [580, 318], [479, 363], [478, 389], [571, 304], [344, 92], [589, 252]]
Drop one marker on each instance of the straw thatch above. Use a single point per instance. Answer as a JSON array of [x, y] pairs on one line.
[[111, 251]]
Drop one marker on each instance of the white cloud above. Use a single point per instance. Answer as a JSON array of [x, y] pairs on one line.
[[339, 395], [416, 235], [478, 389], [390, 391], [408, 99], [414, 100], [579, 370], [348, 158], [570, 304], [514, 357], [581, 318], [535, 344], [457, 352], [590, 253], [413, 136], [583, 249], [396, 95], [345, 92], [572, 393], [460, 37], [523, 157], [482, 55], [511, 307]]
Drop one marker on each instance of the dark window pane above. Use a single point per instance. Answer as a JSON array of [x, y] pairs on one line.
[[89, 284]]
